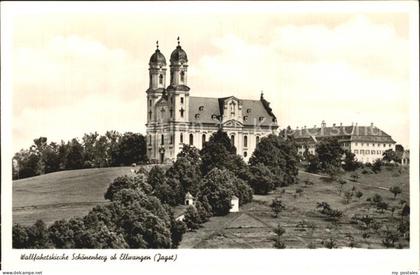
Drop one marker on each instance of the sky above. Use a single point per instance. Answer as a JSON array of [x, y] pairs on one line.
[[81, 70]]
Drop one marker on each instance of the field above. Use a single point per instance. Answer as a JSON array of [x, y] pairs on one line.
[[61, 195], [253, 226], [73, 193]]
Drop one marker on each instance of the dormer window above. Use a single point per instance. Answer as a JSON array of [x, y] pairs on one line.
[[197, 116], [201, 108], [274, 119], [248, 111], [245, 118], [213, 116], [261, 118]]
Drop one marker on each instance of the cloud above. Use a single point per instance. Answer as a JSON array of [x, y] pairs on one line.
[[69, 69], [356, 71], [83, 77]]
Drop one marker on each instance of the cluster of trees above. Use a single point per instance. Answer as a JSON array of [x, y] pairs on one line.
[[111, 149], [331, 158], [139, 213], [134, 218]]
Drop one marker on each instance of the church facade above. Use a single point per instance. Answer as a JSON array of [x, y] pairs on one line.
[[176, 117]]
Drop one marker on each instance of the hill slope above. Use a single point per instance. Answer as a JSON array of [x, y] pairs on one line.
[[62, 194]]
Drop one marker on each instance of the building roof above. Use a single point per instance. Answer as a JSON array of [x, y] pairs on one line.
[[349, 133], [179, 55], [157, 59], [208, 110]]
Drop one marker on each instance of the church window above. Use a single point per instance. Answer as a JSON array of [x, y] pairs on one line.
[[182, 112], [245, 154], [182, 76], [150, 102], [257, 139], [182, 100], [150, 140], [232, 140], [203, 139], [245, 141], [191, 139], [160, 79], [162, 139], [171, 140], [372, 152], [172, 100], [172, 112], [150, 114], [181, 138], [362, 152]]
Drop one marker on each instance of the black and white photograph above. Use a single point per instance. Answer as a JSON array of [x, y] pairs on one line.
[[276, 130]]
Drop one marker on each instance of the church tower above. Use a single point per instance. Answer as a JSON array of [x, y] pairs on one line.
[[178, 91], [157, 82]]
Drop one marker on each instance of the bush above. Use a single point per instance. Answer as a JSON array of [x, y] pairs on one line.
[[354, 176], [325, 209], [348, 196], [329, 243], [191, 218], [359, 194], [395, 190], [277, 206]]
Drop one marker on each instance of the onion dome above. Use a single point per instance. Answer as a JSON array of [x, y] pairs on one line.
[[179, 55], [157, 59]]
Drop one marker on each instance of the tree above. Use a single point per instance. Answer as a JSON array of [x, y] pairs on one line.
[[67, 234], [156, 176], [377, 166], [216, 152], [330, 153], [350, 162], [74, 157], [242, 190], [313, 164], [390, 155], [395, 190], [20, 236], [191, 218], [341, 183], [218, 188], [277, 206], [126, 182], [262, 181], [131, 149], [359, 194], [38, 235], [185, 174], [280, 156]]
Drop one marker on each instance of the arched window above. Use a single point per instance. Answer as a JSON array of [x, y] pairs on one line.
[[245, 141], [162, 139], [181, 138], [257, 139], [245, 154], [160, 79], [232, 139], [191, 139], [182, 112], [150, 140], [150, 102], [171, 140], [203, 139], [182, 76]]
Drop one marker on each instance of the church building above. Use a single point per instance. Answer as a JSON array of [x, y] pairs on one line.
[[176, 117]]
